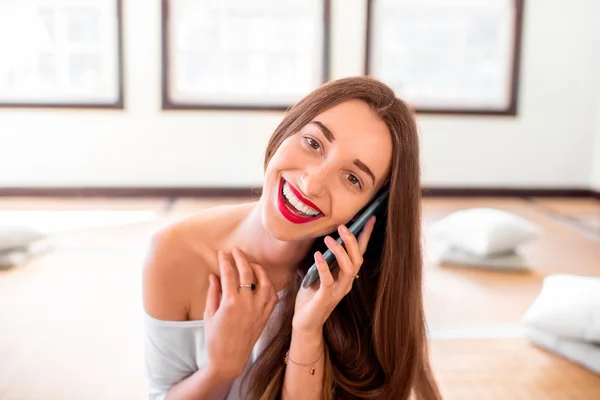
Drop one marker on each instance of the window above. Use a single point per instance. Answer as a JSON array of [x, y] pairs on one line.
[[447, 56], [239, 54], [60, 53]]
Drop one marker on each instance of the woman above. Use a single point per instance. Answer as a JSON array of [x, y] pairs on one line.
[[257, 333]]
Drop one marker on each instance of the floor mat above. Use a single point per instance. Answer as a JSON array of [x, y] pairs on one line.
[[52, 221]]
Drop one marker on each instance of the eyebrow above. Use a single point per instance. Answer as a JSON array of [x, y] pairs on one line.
[[365, 169], [329, 136]]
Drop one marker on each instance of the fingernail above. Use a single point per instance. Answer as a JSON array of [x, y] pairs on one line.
[[344, 229], [319, 256], [329, 240]]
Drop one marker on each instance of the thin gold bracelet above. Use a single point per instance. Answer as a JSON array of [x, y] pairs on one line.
[[312, 369]]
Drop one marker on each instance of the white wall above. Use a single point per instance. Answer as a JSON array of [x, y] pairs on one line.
[[595, 175], [549, 144]]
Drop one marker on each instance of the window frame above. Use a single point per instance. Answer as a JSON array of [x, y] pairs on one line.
[[117, 104], [512, 82], [169, 104]]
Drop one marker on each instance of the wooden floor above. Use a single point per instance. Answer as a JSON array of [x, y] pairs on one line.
[[71, 322], [494, 369]]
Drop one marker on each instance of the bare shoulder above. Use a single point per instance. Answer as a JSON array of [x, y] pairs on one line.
[[177, 266]]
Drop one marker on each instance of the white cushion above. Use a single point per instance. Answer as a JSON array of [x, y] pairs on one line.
[[18, 236], [511, 260], [567, 306], [582, 353], [13, 257], [484, 231]]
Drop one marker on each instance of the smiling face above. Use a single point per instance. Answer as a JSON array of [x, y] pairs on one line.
[[325, 173]]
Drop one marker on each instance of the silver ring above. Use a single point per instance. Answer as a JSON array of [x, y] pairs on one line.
[[251, 286]]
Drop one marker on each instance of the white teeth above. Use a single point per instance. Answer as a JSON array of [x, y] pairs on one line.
[[287, 192]]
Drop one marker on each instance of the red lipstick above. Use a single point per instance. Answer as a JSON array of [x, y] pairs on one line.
[[302, 199], [287, 213]]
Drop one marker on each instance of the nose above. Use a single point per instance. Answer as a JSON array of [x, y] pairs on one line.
[[313, 180]]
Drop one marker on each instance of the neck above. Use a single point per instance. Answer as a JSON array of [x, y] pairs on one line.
[[279, 259]]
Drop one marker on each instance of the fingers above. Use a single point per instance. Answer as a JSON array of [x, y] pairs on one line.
[[324, 272], [365, 235], [265, 291], [350, 259], [228, 281], [352, 247], [212, 296], [245, 271], [347, 268]]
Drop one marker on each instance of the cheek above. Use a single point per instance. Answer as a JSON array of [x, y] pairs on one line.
[[279, 162], [342, 214], [287, 156]]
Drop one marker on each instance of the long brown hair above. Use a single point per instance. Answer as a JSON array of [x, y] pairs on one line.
[[375, 339]]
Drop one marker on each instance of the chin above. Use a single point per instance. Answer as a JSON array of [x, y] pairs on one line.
[[277, 227]]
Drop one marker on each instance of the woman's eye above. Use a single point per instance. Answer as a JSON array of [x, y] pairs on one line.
[[313, 143], [354, 180]]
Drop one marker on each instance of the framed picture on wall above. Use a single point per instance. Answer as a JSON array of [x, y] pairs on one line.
[[61, 53], [236, 54], [447, 56]]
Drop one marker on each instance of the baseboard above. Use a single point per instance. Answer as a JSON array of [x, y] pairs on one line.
[[211, 192], [508, 192], [130, 192]]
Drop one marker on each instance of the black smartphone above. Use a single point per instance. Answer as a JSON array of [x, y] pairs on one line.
[[313, 273]]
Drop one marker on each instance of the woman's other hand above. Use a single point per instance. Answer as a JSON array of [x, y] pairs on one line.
[[314, 305], [235, 316]]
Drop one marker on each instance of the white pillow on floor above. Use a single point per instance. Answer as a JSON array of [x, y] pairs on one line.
[[567, 306], [14, 257], [484, 231], [509, 261], [585, 354], [11, 258], [17, 236]]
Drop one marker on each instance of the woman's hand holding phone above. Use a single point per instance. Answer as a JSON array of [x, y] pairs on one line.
[[315, 304]]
